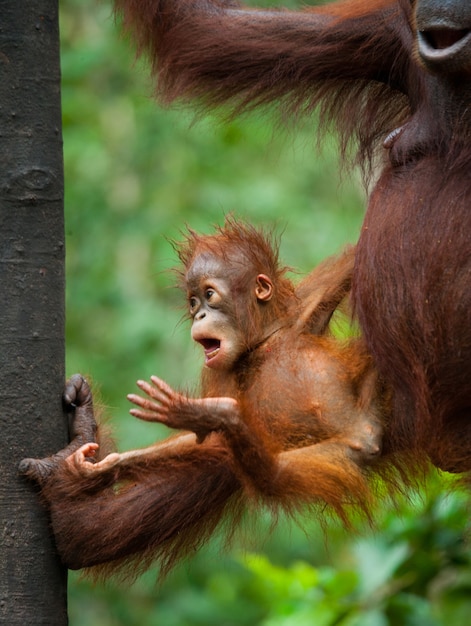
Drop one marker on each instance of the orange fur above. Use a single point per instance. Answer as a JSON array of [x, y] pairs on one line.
[[314, 418], [305, 431], [359, 62]]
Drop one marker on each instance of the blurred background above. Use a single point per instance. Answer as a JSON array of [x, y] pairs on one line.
[[136, 175]]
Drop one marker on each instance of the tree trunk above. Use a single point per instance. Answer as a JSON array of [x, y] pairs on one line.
[[33, 584]]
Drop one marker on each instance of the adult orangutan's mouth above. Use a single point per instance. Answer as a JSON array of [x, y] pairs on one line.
[[443, 45], [443, 38]]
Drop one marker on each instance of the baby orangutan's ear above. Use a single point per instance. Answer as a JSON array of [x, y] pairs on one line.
[[264, 288]]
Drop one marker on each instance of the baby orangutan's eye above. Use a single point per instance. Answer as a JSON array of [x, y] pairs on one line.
[[193, 302]]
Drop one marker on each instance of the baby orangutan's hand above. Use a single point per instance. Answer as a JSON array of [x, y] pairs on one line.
[[82, 460], [175, 410]]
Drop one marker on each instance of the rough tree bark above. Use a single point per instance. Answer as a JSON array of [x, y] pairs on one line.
[[32, 581]]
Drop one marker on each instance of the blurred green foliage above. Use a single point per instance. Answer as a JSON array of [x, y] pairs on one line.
[[135, 176]]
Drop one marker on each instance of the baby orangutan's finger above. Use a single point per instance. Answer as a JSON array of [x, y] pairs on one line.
[[150, 416]]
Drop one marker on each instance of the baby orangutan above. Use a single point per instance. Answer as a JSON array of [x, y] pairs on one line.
[[288, 416]]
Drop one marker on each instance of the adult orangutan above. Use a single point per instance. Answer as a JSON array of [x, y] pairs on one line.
[[392, 73], [289, 416]]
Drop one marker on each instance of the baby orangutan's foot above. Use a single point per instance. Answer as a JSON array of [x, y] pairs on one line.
[[78, 402]]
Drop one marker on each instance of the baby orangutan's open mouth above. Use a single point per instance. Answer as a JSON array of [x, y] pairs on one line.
[[211, 347]]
